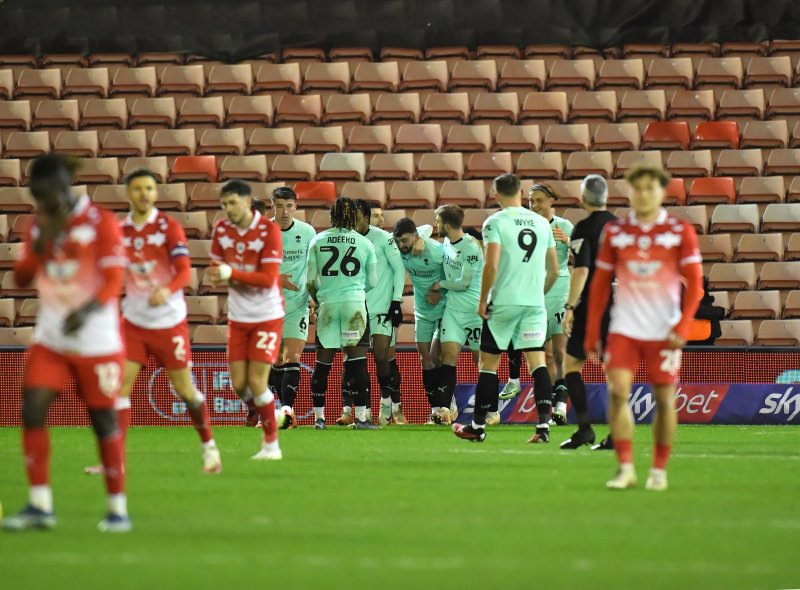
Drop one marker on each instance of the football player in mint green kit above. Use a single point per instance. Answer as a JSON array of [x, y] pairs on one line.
[[521, 267], [422, 258], [341, 268], [385, 312], [463, 268], [297, 236]]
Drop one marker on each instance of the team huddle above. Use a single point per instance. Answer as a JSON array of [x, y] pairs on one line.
[[507, 289]]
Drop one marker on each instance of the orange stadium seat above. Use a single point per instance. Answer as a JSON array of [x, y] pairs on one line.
[[194, 169], [716, 134], [673, 135], [711, 191], [315, 194]]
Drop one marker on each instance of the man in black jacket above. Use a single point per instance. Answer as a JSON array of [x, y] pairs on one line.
[[711, 312]]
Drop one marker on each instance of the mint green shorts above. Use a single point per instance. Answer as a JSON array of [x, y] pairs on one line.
[[295, 324], [554, 301], [381, 325], [427, 330], [461, 327], [525, 327], [342, 324]]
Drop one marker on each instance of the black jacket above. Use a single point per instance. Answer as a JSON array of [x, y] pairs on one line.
[[708, 311]]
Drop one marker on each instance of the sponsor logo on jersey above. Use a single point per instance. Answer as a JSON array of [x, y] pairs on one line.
[[157, 239], [83, 234], [668, 240], [622, 240]]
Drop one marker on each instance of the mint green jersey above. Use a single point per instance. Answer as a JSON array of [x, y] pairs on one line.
[[524, 238], [562, 249], [295, 255], [425, 270], [341, 263], [463, 269], [391, 273]]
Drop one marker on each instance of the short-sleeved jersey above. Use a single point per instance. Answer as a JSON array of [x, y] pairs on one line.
[[585, 244], [248, 250], [339, 260], [524, 238], [425, 270], [151, 249], [71, 274], [562, 249], [391, 275], [464, 252], [295, 255], [647, 261]]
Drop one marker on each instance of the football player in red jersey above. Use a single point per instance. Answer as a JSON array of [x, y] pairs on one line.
[[74, 252], [653, 255], [154, 309], [246, 249]]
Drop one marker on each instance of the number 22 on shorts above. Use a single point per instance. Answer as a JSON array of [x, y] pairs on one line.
[[670, 361], [108, 378], [267, 341]]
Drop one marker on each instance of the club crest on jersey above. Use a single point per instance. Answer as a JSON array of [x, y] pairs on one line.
[[298, 239], [138, 243], [644, 269], [239, 248], [83, 234], [622, 240], [644, 242], [62, 271], [668, 240]]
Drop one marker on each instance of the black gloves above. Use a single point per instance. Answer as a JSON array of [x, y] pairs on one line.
[[395, 313]]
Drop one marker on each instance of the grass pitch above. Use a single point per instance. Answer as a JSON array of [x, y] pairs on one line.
[[415, 508]]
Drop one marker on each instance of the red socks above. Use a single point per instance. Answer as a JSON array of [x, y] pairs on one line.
[[268, 422], [661, 456], [624, 450], [111, 454], [201, 420], [36, 446]]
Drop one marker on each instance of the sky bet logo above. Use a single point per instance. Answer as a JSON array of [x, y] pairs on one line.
[[780, 404], [693, 402]]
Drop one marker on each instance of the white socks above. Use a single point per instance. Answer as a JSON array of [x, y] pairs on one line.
[[118, 504], [319, 413], [514, 381], [122, 403], [41, 497], [361, 413]]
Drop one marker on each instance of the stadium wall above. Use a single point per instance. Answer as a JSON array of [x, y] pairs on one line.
[[239, 29], [722, 387]]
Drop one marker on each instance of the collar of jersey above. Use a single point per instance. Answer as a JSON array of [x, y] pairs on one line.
[[288, 228], [150, 218], [256, 219], [662, 217]]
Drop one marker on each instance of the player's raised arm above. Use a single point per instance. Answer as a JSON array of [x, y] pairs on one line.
[[599, 291]]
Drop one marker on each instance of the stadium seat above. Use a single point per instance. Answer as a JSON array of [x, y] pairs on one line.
[[759, 247], [765, 134], [643, 104], [320, 140], [327, 77], [474, 74], [695, 214], [740, 162], [574, 215], [86, 82], [173, 142], [77, 143], [97, 171], [8, 288], [621, 73], [283, 77], [104, 113], [39, 83], [349, 166], [735, 218], [670, 72], [195, 224], [370, 139], [540, 165], [221, 142], [619, 193], [425, 75], [293, 167], [199, 252], [783, 102], [376, 77], [567, 138], [732, 276], [182, 80], [10, 172], [594, 105], [203, 309], [253, 168], [6, 84], [348, 108], [628, 160], [271, 141], [572, 73], [257, 110], [711, 191], [545, 106], [210, 336], [517, 138], [465, 193], [134, 82], [15, 114], [692, 103], [716, 135], [761, 189], [735, 333], [783, 161], [56, 113], [446, 107], [769, 70], [7, 313], [172, 197], [716, 248], [781, 217], [742, 103], [496, 107], [372, 192], [230, 79], [672, 135], [616, 137], [722, 71], [9, 254], [419, 138], [113, 197], [153, 112], [315, 194], [792, 247], [299, 109], [568, 191], [28, 312], [696, 163], [778, 332], [409, 194], [194, 169], [779, 275], [440, 167], [202, 112], [529, 74], [157, 165], [469, 138], [581, 164], [122, 143], [791, 307], [17, 337], [397, 107]]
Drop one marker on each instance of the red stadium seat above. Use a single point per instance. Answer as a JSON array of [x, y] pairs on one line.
[[194, 168], [716, 134], [711, 191], [666, 136], [315, 194]]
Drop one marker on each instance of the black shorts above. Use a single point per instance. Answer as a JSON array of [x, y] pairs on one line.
[[575, 342]]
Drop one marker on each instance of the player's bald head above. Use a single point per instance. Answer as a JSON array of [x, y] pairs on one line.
[[594, 190]]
